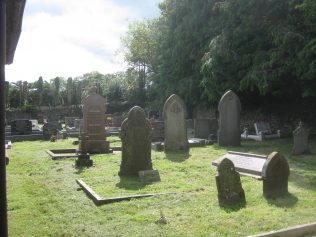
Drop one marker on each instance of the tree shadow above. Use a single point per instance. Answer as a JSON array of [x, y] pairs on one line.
[[228, 208], [177, 156], [288, 201], [130, 183], [82, 169]]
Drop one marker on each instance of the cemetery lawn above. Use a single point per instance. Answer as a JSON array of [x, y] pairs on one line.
[[45, 200]]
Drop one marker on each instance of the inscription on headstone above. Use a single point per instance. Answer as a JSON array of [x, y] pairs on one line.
[[174, 113], [94, 125], [229, 120]]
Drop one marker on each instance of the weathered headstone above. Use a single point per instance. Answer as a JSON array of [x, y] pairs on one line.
[[21, 127], [174, 114], [94, 125], [50, 129], [275, 174], [229, 120], [300, 136], [70, 121], [136, 143], [230, 191]]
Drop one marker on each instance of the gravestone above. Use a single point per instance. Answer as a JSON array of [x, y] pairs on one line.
[[50, 129], [70, 121], [117, 120], [174, 114], [229, 120], [82, 153], [229, 188], [202, 128], [21, 127], [275, 174], [93, 123], [136, 143], [158, 130], [300, 136]]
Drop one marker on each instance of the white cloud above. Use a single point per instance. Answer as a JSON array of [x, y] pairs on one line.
[[70, 37]]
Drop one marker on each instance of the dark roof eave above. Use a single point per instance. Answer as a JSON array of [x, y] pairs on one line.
[[14, 17]]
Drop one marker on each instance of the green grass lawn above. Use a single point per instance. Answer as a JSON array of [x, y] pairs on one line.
[[44, 199]]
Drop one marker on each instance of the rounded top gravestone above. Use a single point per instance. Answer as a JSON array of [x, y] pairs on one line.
[[229, 108], [174, 114], [275, 174], [136, 143]]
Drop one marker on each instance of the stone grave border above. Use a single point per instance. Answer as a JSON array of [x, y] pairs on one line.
[[62, 153], [98, 200], [300, 230]]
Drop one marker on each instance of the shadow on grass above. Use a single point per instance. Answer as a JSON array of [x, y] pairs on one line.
[[232, 208], [130, 183], [177, 157], [80, 170], [288, 200]]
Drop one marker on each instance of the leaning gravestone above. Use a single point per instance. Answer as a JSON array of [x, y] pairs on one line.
[[94, 125], [136, 143], [230, 191], [275, 174], [21, 127], [300, 136], [174, 114], [229, 120]]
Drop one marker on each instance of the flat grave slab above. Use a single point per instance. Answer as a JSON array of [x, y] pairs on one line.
[[62, 153], [245, 163]]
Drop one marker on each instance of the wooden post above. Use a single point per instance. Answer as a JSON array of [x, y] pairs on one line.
[[3, 191]]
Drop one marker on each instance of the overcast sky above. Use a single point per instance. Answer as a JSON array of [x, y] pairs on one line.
[[71, 37]]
